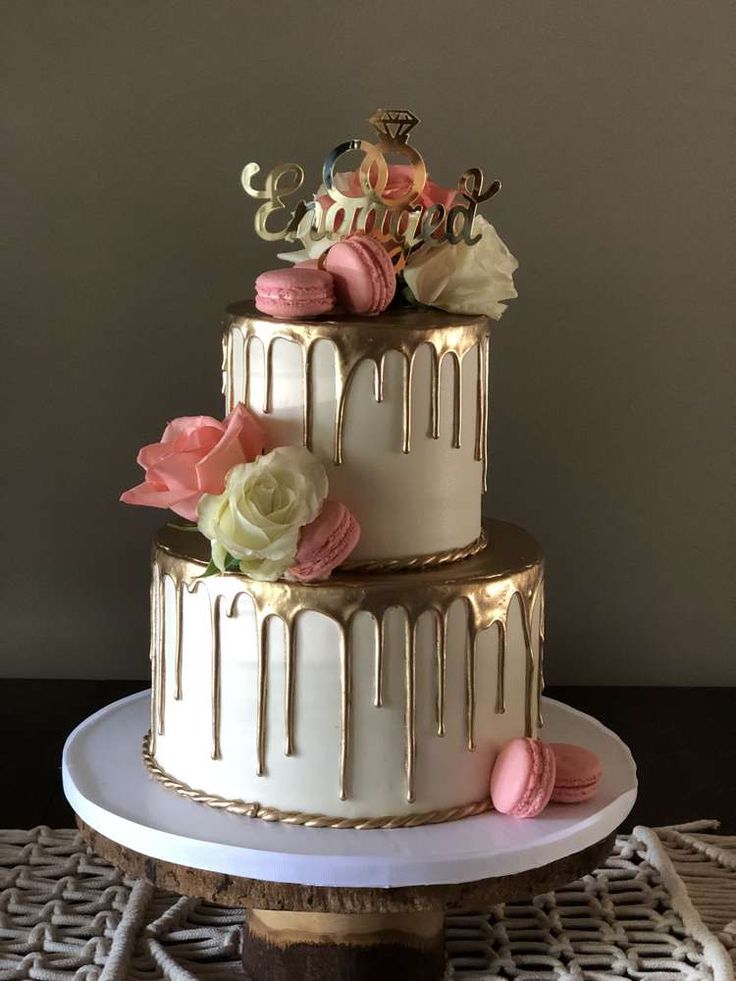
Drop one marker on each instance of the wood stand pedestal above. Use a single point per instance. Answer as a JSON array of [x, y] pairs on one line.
[[319, 933]]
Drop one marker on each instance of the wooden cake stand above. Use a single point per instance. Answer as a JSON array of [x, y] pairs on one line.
[[324, 904]]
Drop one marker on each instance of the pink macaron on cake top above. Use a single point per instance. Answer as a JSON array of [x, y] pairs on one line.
[[295, 292], [365, 279], [579, 773], [523, 778]]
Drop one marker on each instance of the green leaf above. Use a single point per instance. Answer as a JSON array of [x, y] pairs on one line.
[[211, 570], [231, 565], [406, 295]]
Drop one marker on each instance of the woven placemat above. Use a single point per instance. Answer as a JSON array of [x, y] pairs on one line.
[[662, 907]]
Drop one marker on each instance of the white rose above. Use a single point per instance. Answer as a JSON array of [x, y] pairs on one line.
[[265, 503], [465, 278]]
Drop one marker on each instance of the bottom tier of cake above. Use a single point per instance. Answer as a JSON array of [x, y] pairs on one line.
[[363, 701]]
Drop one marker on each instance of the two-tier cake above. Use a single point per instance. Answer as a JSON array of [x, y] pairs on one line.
[[337, 638]]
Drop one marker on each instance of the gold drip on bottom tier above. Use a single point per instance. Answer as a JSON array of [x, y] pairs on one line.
[[506, 576]]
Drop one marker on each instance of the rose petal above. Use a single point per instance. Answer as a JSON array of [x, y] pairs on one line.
[[241, 442], [177, 472], [144, 495], [185, 425], [463, 278]]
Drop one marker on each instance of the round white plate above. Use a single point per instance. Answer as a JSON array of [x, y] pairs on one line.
[[109, 788]]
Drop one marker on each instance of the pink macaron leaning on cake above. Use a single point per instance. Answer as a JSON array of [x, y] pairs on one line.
[[295, 292], [523, 778], [365, 280], [578, 773], [325, 543]]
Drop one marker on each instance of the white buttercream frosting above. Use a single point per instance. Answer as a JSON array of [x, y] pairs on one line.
[[447, 772], [424, 501]]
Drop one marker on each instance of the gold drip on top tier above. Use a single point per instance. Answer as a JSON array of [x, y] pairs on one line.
[[355, 340]]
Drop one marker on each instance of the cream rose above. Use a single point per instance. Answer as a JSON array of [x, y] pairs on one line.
[[258, 517], [465, 278]]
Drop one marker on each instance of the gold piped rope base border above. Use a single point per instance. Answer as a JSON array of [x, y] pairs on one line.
[[419, 561], [255, 810]]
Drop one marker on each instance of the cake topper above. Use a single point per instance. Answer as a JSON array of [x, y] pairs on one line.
[[365, 201]]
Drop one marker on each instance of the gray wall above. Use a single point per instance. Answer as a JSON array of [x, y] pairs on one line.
[[609, 122]]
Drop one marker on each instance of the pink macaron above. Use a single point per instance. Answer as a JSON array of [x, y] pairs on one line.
[[578, 773], [365, 281], [295, 292], [523, 778], [325, 543]]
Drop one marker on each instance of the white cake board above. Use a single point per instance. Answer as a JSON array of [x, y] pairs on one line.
[[109, 788]]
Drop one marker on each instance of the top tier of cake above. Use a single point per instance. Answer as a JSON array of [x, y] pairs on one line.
[[396, 407]]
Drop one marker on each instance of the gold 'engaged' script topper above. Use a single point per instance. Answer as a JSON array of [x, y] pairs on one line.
[[367, 203]]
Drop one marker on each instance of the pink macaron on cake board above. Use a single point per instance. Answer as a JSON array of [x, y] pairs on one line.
[[528, 774], [579, 772], [523, 778]]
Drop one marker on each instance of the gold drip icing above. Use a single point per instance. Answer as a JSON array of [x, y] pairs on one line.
[[246, 372], [540, 665], [487, 584], [410, 716], [307, 389], [457, 404], [158, 655], [179, 624], [227, 368], [501, 680], [262, 630], [289, 687], [470, 652], [153, 653], [434, 397], [440, 634], [481, 431], [346, 700], [161, 655], [303, 818], [407, 390], [355, 340], [216, 677], [529, 677], [379, 639]]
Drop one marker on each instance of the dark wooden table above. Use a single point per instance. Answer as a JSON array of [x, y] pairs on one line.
[[683, 739]]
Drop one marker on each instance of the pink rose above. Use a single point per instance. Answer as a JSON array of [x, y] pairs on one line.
[[193, 458], [325, 543], [400, 178]]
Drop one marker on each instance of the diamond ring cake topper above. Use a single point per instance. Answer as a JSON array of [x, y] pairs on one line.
[[368, 201]]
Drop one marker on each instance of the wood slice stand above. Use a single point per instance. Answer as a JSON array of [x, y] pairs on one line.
[[323, 904], [322, 933]]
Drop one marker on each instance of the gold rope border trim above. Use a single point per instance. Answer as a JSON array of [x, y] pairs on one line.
[[255, 810], [419, 561]]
